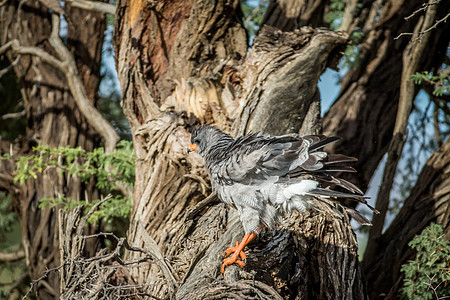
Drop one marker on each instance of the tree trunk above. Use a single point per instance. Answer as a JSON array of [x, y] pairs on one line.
[[53, 119], [364, 115], [429, 202], [288, 15], [365, 110], [182, 63]]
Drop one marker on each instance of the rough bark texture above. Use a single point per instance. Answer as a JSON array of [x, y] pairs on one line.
[[364, 112], [429, 202], [54, 120], [364, 115], [180, 63], [288, 15], [410, 62]]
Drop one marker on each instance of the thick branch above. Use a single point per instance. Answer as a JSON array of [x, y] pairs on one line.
[[411, 59], [428, 202], [280, 78], [96, 6], [67, 65], [12, 256]]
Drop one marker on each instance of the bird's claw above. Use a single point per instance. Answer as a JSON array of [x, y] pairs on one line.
[[232, 260], [231, 250]]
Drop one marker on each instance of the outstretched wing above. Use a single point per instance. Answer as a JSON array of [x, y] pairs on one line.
[[255, 159]]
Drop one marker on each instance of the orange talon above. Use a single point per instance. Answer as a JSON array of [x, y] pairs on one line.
[[237, 252], [230, 250]]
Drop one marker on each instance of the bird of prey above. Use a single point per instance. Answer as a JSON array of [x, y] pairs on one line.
[[266, 177]]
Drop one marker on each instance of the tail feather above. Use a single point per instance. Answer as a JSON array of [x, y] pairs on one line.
[[357, 216], [330, 193], [323, 141], [327, 178], [339, 169], [338, 159]]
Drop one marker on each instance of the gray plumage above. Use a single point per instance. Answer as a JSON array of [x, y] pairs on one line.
[[266, 177]]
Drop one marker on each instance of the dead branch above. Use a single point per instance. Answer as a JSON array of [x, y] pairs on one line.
[[87, 108], [67, 65], [13, 115], [243, 289], [411, 59], [9, 68], [430, 27], [105, 275], [96, 6], [158, 258], [12, 256], [40, 279], [423, 8]]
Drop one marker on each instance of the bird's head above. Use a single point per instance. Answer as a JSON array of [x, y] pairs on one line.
[[205, 137]]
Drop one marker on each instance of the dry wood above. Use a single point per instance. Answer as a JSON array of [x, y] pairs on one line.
[[53, 119], [411, 59], [288, 15], [237, 93], [428, 202], [13, 256], [96, 6]]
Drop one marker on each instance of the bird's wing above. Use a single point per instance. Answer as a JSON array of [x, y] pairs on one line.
[[255, 159]]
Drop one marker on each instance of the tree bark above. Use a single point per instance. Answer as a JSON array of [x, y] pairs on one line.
[[364, 112], [288, 15], [53, 119], [428, 202], [181, 63]]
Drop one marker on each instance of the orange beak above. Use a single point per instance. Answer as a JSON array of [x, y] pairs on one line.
[[192, 147]]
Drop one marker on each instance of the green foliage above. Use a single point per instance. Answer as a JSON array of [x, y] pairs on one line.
[[107, 170], [440, 81], [428, 275], [335, 14]]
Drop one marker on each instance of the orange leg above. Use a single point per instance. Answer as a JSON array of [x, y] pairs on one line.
[[237, 251]]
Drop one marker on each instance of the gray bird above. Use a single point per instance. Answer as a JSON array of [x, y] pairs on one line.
[[266, 177]]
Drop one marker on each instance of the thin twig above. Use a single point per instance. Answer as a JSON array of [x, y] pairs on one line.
[[421, 33], [423, 8], [9, 68], [13, 115], [35, 282]]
